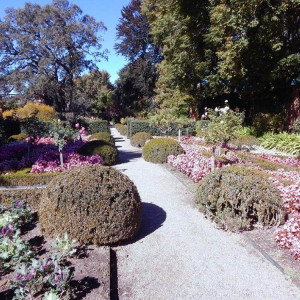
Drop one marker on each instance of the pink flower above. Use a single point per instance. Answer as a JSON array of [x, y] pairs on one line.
[[77, 125]]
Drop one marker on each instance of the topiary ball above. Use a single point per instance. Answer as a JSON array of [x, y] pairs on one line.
[[107, 151], [139, 139], [158, 150], [237, 198], [93, 204], [122, 129], [103, 136]]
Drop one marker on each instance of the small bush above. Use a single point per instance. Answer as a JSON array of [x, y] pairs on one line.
[[237, 198], [122, 129], [158, 150], [94, 126], [264, 122], [245, 140], [17, 137], [93, 204], [103, 136], [107, 151], [139, 139]]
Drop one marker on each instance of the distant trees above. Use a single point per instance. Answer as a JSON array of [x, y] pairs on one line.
[[43, 49]]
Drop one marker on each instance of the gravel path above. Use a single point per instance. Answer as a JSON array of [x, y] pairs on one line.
[[181, 255]]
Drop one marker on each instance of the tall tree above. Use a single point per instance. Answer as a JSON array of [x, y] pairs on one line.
[[135, 87], [44, 48]]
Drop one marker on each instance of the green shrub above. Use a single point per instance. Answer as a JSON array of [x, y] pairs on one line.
[[122, 129], [11, 127], [237, 198], [17, 137], [264, 122], [24, 179], [92, 204], [94, 126], [31, 195], [245, 140], [285, 142], [103, 136], [107, 151], [139, 139], [158, 150]]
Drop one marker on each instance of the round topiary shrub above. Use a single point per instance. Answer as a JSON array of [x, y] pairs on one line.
[[93, 204], [139, 139], [107, 151], [237, 198], [158, 150], [122, 129], [103, 136]]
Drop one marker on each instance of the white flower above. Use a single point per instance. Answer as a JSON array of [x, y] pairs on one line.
[[226, 101], [222, 122], [216, 109]]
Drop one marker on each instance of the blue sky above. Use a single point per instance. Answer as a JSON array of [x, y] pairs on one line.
[[107, 11]]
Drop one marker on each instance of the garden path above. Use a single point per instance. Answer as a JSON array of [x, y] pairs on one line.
[[179, 254]]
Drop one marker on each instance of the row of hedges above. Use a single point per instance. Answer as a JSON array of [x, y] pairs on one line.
[[134, 126]]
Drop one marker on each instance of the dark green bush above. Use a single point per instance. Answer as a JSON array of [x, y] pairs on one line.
[[103, 136], [158, 150], [107, 151], [245, 140], [139, 139], [34, 126], [237, 198], [11, 127], [296, 126], [93, 204], [122, 129], [17, 137], [265, 122]]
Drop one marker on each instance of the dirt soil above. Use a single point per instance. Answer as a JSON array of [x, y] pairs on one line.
[[91, 267]]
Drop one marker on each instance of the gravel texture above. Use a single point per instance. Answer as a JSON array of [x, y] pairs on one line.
[[179, 254]]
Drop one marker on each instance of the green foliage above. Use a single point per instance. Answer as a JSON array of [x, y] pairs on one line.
[[222, 126], [94, 126], [285, 142], [238, 198], [139, 139], [103, 136], [108, 152], [17, 137], [93, 204], [121, 128], [158, 150], [46, 48], [34, 127], [263, 123]]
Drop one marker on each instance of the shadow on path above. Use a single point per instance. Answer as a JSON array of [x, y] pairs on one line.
[[127, 156], [153, 218]]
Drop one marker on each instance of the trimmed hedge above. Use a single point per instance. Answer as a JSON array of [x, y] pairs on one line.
[[139, 139], [103, 136], [122, 129], [94, 126], [135, 126], [17, 137], [93, 204], [31, 195], [27, 179], [237, 198], [107, 151], [158, 150], [245, 140]]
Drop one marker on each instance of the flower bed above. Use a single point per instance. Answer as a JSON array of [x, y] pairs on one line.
[[196, 163]]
